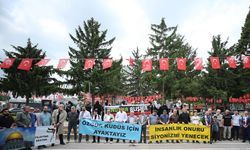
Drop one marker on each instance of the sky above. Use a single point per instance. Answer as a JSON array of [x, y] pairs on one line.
[[49, 22]]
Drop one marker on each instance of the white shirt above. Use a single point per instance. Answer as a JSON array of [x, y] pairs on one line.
[[236, 120], [108, 118], [121, 116], [84, 114], [195, 120]]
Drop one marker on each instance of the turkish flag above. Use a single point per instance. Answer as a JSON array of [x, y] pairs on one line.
[[231, 61], [107, 63], [131, 61], [181, 63], [198, 64], [25, 64], [42, 62], [246, 62], [147, 65], [164, 64], [215, 61], [62, 63], [7, 63], [89, 63]]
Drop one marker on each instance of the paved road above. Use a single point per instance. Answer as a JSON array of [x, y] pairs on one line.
[[225, 145]]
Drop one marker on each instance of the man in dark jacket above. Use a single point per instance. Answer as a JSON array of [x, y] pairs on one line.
[[73, 119], [184, 117]]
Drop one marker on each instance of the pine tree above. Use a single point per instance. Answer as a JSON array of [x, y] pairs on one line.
[[219, 84], [91, 42], [167, 43], [37, 81], [134, 83]]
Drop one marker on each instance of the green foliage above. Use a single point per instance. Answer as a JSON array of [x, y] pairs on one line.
[[91, 42], [37, 81], [167, 43]]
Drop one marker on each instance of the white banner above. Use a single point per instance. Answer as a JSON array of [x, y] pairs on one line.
[[45, 135]]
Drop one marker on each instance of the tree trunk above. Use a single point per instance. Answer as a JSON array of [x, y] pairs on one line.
[[93, 101], [27, 100]]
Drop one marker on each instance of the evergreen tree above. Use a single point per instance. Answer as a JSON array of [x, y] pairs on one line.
[[134, 84], [243, 49], [91, 42], [167, 43], [37, 81], [219, 83]]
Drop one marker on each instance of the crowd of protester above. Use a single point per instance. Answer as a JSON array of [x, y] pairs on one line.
[[224, 126]]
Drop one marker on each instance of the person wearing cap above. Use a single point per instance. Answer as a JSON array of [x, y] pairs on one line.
[[108, 117], [96, 116], [73, 119], [152, 120], [132, 119], [33, 117], [121, 116], [84, 114], [23, 119], [6, 120], [58, 118], [143, 122]]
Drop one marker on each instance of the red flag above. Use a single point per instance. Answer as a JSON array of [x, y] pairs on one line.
[[62, 63], [107, 63], [215, 61], [7, 63], [42, 62], [164, 64], [147, 65], [131, 61], [25, 64], [231, 62], [246, 62], [181, 63], [89, 63], [198, 64]]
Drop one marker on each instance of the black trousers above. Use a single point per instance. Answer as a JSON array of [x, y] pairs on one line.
[[144, 134], [235, 132], [245, 134], [80, 138], [70, 127], [215, 135], [107, 139], [98, 139]]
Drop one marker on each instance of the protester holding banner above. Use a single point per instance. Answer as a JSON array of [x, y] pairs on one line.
[[58, 118], [184, 117], [153, 119], [44, 120], [23, 119], [208, 122], [72, 124], [132, 119], [164, 119], [96, 116], [108, 117], [227, 122], [195, 119], [84, 114], [121, 116], [143, 122], [6, 120], [174, 118], [221, 129]]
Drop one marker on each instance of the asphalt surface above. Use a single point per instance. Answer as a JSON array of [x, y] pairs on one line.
[[222, 145]]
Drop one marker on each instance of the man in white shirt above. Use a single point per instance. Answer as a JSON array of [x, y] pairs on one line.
[[121, 116], [236, 125], [86, 115]]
